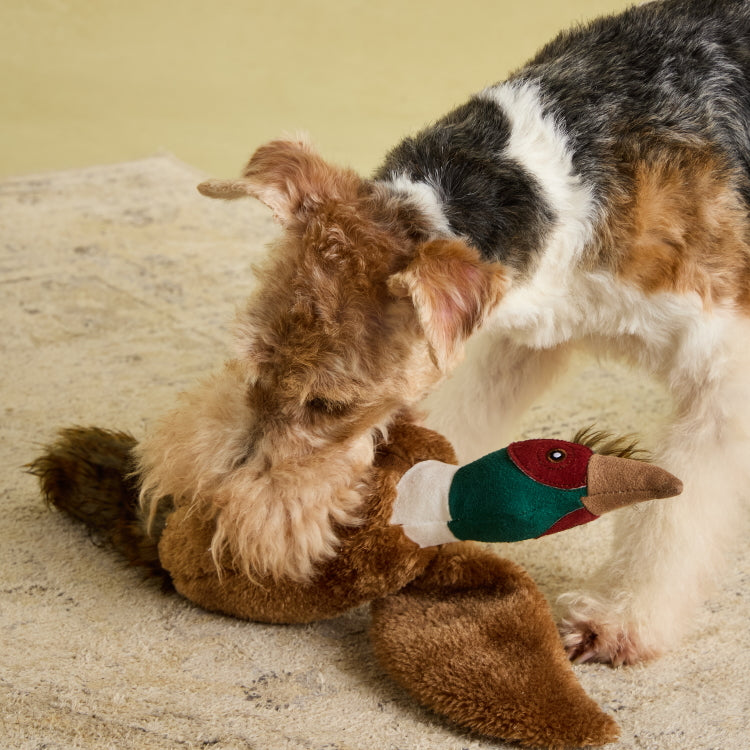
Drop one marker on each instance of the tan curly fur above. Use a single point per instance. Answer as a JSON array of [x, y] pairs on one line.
[[358, 313]]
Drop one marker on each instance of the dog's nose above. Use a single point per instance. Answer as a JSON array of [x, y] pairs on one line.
[[615, 482]]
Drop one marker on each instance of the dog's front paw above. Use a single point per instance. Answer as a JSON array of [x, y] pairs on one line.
[[590, 633], [589, 641]]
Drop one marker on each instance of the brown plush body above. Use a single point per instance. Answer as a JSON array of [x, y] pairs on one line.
[[467, 633], [373, 559]]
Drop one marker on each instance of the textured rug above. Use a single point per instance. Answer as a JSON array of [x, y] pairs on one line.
[[118, 284]]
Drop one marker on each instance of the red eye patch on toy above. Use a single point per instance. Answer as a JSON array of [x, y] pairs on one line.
[[556, 463]]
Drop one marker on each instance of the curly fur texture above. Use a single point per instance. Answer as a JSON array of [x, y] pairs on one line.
[[358, 313], [598, 197]]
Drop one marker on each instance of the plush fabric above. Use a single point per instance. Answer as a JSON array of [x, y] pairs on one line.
[[422, 507], [492, 500], [472, 637], [528, 490], [373, 560], [555, 463]]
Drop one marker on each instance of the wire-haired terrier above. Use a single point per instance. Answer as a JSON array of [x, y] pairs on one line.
[[597, 197]]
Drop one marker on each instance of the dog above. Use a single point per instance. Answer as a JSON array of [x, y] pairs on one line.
[[598, 198]]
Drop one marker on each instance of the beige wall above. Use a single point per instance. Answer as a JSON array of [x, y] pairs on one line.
[[92, 81]]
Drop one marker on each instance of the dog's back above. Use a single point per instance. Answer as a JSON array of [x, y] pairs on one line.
[[663, 82], [662, 72]]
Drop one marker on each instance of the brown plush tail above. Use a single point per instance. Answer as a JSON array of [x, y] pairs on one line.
[[87, 473], [473, 639]]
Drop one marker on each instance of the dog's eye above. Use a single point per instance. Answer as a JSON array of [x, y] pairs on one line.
[[327, 406]]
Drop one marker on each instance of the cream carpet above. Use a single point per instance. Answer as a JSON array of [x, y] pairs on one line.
[[117, 286]]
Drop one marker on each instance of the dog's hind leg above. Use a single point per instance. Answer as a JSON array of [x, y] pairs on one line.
[[668, 554], [479, 405]]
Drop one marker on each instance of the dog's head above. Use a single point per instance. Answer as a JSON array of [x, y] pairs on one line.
[[359, 311]]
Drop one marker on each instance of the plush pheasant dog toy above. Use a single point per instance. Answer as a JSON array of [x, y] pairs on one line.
[[466, 632], [530, 489]]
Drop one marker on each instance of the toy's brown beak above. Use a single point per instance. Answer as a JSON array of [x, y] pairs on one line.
[[616, 482]]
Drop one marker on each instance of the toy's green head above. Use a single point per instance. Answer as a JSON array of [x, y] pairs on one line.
[[527, 490]]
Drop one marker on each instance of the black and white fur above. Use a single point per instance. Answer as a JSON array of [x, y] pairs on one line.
[[530, 171]]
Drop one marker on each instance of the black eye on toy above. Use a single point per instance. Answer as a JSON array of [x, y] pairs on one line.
[[556, 455]]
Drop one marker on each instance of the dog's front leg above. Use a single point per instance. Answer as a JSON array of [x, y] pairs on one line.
[[479, 405], [668, 553]]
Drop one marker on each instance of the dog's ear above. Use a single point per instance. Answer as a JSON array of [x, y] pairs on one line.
[[452, 290], [290, 177]]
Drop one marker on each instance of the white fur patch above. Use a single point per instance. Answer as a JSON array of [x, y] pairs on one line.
[[421, 505], [426, 198], [540, 145], [560, 301]]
